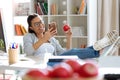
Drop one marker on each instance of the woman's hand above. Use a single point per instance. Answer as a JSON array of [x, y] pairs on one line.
[[49, 33], [68, 33], [46, 37]]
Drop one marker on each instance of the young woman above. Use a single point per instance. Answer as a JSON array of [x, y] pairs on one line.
[[37, 41]]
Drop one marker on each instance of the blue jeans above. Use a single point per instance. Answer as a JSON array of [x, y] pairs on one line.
[[83, 53]]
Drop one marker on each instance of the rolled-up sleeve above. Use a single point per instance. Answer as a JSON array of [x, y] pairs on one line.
[[58, 48], [28, 44]]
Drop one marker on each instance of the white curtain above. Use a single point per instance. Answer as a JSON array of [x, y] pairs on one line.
[[108, 18]]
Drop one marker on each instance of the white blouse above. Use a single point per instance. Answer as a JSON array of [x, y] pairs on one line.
[[53, 47]]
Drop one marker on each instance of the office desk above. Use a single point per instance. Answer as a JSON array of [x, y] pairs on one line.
[[105, 65], [24, 63]]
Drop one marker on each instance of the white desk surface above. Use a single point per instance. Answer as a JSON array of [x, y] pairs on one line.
[[24, 63], [30, 64]]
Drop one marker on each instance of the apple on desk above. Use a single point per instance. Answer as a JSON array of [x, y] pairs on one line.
[[62, 70], [74, 64], [65, 70], [88, 70], [35, 74]]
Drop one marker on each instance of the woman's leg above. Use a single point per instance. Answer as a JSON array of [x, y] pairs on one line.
[[107, 40], [83, 53]]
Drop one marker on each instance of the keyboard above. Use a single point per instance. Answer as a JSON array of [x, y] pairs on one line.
[[112, 77]]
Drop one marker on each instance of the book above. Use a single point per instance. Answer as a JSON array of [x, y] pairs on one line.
[[35, 7], [23, 30], [43, 8], [46, 6], [39, 9], [22, 9], [18, 30], [83, 7], [53, 9]]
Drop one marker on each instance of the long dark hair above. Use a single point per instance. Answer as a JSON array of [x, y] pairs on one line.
[[29, 19]]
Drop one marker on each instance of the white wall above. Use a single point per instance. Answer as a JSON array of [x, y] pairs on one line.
[[6, 6]]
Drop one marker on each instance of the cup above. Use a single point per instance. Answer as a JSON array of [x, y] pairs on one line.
[[13, 56]]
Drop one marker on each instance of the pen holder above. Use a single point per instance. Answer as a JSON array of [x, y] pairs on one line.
[[13, 56]]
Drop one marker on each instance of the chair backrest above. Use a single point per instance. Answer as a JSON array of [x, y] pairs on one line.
[[112, 48]]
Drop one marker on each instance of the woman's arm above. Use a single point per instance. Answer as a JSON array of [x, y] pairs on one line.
[[48, 34], [37, 44], [69, 39]]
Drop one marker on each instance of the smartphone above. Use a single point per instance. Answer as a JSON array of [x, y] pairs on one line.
[[53, 26]]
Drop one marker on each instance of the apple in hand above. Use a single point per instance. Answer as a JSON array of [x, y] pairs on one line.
[[88, 70], [66, 27]]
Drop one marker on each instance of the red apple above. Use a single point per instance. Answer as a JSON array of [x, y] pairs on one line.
[[74, 64], [88, 70], [49, 69], [66, 27], [62, 70], [37, 73]]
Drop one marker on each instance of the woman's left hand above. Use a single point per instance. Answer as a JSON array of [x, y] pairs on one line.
[[68, 33]]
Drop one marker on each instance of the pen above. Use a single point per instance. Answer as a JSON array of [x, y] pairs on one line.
[[14, 46]]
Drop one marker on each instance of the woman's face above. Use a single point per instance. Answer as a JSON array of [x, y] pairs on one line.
[[37, 25]]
